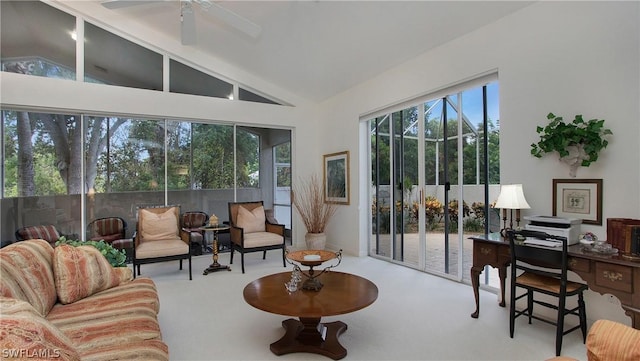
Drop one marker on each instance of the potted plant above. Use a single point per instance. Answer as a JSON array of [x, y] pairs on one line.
[[308, 199], [577, 143]]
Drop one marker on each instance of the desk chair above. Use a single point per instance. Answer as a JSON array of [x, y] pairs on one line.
[[544, 270]]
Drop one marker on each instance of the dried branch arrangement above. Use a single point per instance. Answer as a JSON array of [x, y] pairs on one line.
[[308, 198]]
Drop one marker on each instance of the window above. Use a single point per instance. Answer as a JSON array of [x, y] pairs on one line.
[[42, 160], [36, 40], [186, 80], [113, 60]]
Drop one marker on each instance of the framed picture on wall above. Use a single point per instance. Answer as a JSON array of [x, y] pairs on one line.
[[336, 178], [578, 198]]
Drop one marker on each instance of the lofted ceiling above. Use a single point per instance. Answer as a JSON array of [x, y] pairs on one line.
[[317, 49]]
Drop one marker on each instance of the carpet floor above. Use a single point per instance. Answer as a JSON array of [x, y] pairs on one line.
[[417, 316]]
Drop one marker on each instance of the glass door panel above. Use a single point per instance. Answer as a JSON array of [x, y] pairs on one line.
[[432, 172], [380, 242]]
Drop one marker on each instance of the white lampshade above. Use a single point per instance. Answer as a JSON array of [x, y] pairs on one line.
[[511, 197]]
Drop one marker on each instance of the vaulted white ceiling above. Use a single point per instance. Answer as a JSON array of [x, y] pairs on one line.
[[317, 49]]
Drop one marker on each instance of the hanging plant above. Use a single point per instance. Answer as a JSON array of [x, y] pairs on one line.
[[577, 143]]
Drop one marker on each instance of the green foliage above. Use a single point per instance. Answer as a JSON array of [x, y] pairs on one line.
[[473, 225], [558, 135], [116, 257]]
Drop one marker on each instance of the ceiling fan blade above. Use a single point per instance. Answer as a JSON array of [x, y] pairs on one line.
[[187, 24], [118, 4], [243, 24]]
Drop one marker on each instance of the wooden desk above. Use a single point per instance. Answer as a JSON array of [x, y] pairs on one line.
[[342, 293], [604, 274]]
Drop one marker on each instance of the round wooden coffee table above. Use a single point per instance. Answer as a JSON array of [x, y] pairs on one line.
[[342, 293]]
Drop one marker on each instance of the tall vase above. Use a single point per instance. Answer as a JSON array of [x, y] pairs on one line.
[[315, 240]]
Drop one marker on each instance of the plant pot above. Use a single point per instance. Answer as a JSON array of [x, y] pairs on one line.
[[315, 240], [575, 158]]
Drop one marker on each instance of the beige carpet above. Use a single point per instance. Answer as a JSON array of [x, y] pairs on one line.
[[417, 317]]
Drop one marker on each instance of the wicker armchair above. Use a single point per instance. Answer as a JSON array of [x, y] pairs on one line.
[[108, 229], [191, 222], [158, 237], [250, 231]]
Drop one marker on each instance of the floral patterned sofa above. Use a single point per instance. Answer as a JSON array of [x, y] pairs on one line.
[[68, 303]]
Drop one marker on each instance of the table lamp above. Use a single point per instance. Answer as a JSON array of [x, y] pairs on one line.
[[511, 197]]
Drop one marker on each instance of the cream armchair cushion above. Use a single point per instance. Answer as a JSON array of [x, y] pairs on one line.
[[158, 226], [251, 221]]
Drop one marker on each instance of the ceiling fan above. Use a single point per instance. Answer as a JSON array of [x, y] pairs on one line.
[[188, 19]]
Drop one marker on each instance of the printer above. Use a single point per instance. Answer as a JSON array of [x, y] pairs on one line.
[[557, 226]]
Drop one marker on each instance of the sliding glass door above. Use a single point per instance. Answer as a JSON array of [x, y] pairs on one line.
[[433, 175]]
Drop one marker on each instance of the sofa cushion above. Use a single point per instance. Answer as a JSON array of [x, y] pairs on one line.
[[139, 293], [612, 341], [251, 221], [25, 334], [131, 350], [80, 272], [26, 271], [158, 226], [116, 329]]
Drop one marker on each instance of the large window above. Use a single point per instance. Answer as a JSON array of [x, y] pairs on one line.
[[53, 167], [42, 167]]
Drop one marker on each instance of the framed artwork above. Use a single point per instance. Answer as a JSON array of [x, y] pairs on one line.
[[578, 198], [336, 178]]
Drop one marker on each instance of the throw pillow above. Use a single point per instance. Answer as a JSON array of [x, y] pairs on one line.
[[251, 221], [28, 335], [158, 226], [80, 272]]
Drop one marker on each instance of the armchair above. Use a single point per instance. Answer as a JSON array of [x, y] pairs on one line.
[[158, 237], [109, 229], [191, 223], [250, 231]]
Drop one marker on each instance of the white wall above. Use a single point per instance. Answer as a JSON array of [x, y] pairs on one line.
[[563, 57]]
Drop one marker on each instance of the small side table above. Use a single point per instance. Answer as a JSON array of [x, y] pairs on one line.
[[215, 266]]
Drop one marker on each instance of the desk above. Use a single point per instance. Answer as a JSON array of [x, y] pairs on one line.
[[215, 266], [604, 274], [342, 293]]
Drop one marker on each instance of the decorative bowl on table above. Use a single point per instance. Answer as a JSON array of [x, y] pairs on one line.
[[312, 258]]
